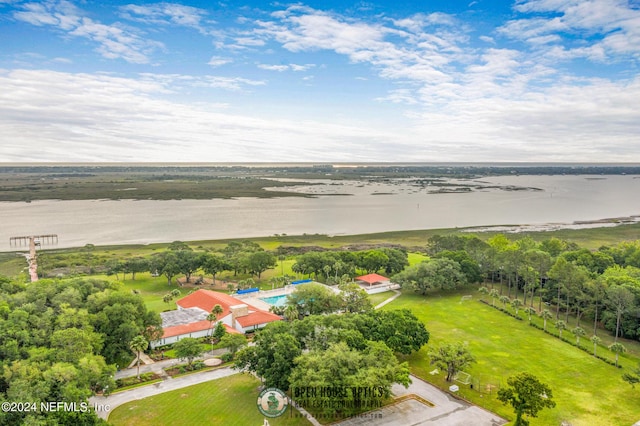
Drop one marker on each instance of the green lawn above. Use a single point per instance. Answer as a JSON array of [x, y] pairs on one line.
[[230, 400], [587, 390], [380, 297]]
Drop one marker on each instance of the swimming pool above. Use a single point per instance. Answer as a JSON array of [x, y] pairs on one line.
[[280, 300]]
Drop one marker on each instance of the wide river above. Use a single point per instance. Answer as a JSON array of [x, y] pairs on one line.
[[371, 207]]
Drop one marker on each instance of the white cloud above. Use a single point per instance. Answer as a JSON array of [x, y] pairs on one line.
[[51, 116], [613, 26], [113, 41], [165, 14], [286, 67], [218, 61]]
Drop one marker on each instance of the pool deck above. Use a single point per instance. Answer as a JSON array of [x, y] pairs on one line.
[[255, 299]]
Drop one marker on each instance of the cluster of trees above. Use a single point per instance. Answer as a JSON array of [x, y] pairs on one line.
[[335, 351], [602, 285], [60, 341], [316, 299], [334, 264], [240, 257]]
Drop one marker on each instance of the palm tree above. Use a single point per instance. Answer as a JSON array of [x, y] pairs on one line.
[[282, 258], [175, 293], [167, 298], [560, 325], [545, 314], [217, 310], [596, 341], [504, 300], [212, 318], [137, 345], [529, 310], [516, 303], [483, 290], [493, 293], [578, 332], [291, 313], [617, 348]]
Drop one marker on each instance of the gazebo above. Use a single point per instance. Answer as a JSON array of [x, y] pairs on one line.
[[372, 279]]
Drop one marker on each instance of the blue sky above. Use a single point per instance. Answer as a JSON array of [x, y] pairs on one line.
[[320, 81]]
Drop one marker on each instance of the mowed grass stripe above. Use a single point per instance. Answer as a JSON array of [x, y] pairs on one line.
[[227, 401], [587, 391]]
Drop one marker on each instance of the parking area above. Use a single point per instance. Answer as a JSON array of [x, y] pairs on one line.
[[445, 410]]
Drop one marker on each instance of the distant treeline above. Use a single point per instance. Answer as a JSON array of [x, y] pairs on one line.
[[361, 170]]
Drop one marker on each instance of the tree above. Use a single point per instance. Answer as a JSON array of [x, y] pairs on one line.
[[527, 395], [354, 298], [617, 348], [138, 344], [434, 274], [560, 325], [260, 261], [632, 377], [530, 310], [483, 291], [217, 310], [291, 313], [545, 314], [313, 299], [167, 298], [578, 332], [135, 265], [233, 342], [165, 263], [516, 303], [219, 331], [188, 262], [493, 293], [621, 299], [596, 341], [188, 348], [399, 329], [504, 299], [451, 357], [372, 260], [272, 357], [213, 265], [340, 366]]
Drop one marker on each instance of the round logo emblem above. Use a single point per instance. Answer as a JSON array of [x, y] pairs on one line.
[[272, 402]]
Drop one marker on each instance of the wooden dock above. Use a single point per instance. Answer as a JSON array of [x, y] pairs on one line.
[[33, 241]]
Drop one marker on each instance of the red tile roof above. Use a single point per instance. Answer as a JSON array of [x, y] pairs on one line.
[[372, 278], [257, 317], [179, 330], [207, 299]]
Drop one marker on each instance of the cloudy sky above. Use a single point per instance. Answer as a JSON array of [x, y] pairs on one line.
[[320, 81]]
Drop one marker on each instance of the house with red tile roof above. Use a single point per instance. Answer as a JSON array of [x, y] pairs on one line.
[[190, 319]]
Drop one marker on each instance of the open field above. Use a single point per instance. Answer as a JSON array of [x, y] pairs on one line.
[[587, 390], [230, 400]]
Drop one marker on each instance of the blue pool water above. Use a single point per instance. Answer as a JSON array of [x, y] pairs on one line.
[[276, 300]]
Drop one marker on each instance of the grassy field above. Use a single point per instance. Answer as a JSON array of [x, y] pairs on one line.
[[227, 401], [587, 390]]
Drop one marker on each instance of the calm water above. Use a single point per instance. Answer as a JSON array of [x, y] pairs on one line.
[[564, 199]]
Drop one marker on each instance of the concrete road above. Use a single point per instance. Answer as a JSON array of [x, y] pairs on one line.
[[110, 402]]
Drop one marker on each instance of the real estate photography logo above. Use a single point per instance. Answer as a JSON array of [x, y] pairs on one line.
[[272, 402]]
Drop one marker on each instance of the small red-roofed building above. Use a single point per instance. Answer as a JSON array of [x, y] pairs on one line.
[[373, 279], [190, 319]]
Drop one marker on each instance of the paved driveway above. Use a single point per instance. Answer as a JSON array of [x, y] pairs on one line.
[[120, 398], [446, 410]]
